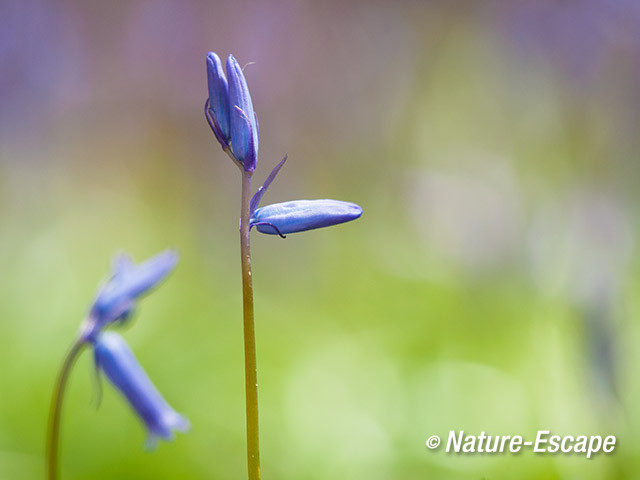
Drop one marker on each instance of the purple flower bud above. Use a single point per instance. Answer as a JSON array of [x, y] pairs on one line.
[[114, 357], [243, 120], [301, 215], [129, 281], [218, 104]]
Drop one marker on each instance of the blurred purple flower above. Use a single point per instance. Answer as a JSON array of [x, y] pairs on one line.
[[116, 298], [114, 357]]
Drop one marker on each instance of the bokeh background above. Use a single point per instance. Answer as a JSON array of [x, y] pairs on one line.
[[491, 284]]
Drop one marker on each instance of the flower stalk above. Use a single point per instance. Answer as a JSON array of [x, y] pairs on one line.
[[55, 412], [250, 362]]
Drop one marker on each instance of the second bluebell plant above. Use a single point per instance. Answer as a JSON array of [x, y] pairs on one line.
[[113, 305]]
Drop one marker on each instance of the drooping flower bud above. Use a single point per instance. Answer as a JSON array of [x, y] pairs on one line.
[[114, 357], [302, 215]]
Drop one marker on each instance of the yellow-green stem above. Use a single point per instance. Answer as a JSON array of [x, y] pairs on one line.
[[53, 433], [250, 364]]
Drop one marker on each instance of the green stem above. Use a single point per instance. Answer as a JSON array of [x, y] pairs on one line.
[[250, 364], [53, 433]]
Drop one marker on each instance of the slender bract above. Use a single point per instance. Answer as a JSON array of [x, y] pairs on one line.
[[257, 197]]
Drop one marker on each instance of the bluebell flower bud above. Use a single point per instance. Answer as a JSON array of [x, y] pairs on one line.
[[218, 104], [302, 215], [114, 357], [243, 120], [116, 298]]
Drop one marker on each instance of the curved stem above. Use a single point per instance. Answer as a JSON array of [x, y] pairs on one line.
[[250, 364], [53, 433]]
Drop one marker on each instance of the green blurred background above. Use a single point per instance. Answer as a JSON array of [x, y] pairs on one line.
[[491, 284]]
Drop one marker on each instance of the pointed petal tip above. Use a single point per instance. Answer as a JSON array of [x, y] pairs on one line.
[[158, 266], [175, 421], [353, 209], [233, 65], [214, 66], [170, 256]]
